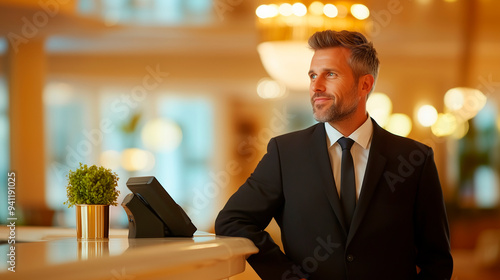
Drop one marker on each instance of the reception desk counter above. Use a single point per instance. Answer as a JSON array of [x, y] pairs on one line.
[[47, 253]]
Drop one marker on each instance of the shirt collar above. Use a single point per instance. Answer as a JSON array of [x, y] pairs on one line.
[[362, 135]]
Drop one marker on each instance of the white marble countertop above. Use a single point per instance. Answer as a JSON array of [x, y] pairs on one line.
[[53, 253]]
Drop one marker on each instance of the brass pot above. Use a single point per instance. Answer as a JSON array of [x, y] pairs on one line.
[[92, 221]]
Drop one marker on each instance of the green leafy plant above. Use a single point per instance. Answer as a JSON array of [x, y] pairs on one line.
[[92, 185]]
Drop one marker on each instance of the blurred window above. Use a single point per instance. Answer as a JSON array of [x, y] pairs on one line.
[[148, 12], [166, 135], [67, 114], [3, 45], [4, 146], [479, 152]]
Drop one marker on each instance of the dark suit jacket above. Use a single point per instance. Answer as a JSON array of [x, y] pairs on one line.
[[399, 222]]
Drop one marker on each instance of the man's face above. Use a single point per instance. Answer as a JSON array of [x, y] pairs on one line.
[[333, 89]]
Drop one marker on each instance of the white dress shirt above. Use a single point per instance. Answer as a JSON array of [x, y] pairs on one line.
[[359, 151]]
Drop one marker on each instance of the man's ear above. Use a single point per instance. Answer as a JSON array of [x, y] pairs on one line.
[[365, 84]]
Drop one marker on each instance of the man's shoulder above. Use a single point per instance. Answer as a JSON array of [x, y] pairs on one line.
[[303, 133], [385, 140]]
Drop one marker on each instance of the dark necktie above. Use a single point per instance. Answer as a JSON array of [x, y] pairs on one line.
[[347, 180]]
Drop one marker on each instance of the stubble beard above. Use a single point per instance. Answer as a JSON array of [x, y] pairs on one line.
[[336, 112]]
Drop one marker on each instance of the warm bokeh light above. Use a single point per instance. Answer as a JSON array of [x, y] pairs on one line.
[[427, 115], [461, 130], [379, 106], [330, 10], [273, 10], [464, 102], [285, 9], [445, 125], [299, 9], [454, 99], [110, 159], [399, 124], [135, 159], [360, 11], [268, 89], [261, 11], [316, 8], [267, 11], [161, 135]]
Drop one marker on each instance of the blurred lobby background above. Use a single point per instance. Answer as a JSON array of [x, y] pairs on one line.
[[190, 91]]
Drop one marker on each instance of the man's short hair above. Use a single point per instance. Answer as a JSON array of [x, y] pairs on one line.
[[363, 58]]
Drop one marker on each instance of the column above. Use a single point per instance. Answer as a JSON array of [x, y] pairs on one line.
[[25, 68]]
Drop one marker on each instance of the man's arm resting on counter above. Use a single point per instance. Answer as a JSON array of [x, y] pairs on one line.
[[248, 212]]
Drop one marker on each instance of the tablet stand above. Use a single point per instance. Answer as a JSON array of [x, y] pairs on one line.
[[142, 222]]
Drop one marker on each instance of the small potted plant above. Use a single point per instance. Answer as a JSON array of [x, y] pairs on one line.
[[92, 189]]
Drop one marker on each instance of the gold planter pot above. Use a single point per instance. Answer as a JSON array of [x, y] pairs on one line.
[[92, 221]]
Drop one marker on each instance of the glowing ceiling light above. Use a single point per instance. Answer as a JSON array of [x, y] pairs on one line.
[[360, 11], [273, 10], [299, 9], [427, 115], [330, 10], [261, 11], [285, 9], [285, 61], [267, 11], [316, 8]]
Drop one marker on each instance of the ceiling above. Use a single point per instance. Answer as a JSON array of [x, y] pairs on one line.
[[418, 27]]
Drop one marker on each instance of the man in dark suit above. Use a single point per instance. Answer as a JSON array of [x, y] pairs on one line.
[[352, 200]]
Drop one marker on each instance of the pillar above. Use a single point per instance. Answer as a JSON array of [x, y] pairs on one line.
[[25, 68]]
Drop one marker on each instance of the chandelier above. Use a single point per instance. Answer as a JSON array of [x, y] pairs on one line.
[[285, 27]]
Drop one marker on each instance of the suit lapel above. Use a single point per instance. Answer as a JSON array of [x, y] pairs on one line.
[[374, 169], [321, 159]]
